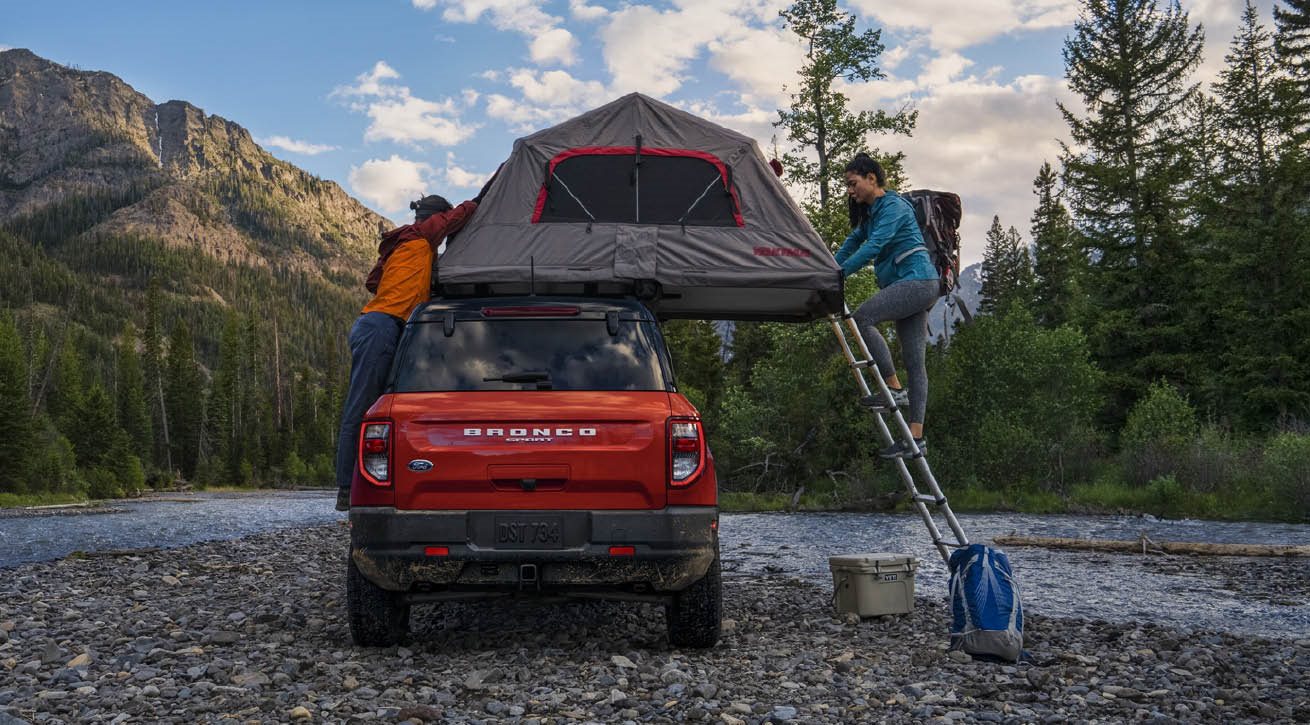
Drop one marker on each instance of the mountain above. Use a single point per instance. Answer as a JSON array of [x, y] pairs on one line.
[[102, 190], [946, 316]]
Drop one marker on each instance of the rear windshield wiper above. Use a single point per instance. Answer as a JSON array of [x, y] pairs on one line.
[[541, 377]]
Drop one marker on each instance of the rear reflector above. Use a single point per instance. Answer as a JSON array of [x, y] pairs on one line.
[[525, 311], [437, 551], [623, 551]]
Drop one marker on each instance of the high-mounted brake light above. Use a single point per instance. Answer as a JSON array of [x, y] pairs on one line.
[[686, 451], [528, 311], [375, 453]]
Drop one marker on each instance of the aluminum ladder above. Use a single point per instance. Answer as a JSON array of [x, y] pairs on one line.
[[935, 498]]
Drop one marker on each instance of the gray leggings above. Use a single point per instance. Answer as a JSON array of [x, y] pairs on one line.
[[907, 303]]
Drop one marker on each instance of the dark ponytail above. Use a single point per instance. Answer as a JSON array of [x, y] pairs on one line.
[[863, 165]]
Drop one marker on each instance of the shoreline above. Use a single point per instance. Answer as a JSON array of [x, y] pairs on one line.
[[254, 628], [730, 502]]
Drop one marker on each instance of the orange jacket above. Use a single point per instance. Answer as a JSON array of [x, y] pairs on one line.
[[402, 278]]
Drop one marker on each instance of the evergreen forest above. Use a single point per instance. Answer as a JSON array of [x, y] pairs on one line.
[[1143, 342]]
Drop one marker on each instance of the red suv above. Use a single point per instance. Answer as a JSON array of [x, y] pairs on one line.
[[533, 446]]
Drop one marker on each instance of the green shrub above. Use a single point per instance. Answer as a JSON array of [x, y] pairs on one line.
[[1155, 438], [102, 483], [1287, 470], [1011, 405]]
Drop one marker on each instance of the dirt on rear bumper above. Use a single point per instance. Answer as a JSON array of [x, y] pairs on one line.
[[671, 549]]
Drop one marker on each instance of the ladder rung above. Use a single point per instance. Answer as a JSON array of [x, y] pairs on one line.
[[861, 363], [952, 544], [931, 499]]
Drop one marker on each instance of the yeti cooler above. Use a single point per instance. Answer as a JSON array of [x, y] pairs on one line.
[[873, 584]]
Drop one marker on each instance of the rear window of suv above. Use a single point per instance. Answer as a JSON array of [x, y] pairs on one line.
[[531, 354]]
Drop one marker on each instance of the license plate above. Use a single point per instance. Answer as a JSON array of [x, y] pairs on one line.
[[529, 532]]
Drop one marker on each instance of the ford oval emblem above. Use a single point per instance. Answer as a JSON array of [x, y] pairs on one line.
[[420, 465]]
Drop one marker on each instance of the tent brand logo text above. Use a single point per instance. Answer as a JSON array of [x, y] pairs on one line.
[[530, 435], [781, 252]]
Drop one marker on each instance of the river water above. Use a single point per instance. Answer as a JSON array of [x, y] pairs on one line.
[[1250, 595]]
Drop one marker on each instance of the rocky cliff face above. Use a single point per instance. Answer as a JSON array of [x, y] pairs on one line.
[[188, 179]]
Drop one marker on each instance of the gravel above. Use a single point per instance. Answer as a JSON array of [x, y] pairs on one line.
[[253, 629]]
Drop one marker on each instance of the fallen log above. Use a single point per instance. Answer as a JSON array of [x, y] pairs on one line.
[[1144, 545]]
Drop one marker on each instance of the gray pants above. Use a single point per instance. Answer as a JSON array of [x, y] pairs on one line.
[[907, 303], [372, 346]]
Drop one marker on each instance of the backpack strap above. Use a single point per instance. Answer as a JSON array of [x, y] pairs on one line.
[[908, 252]]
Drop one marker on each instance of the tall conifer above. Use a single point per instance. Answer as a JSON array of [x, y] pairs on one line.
[[133, 415], [16, 428], [184, 399], [1056, 287], [1130, 61]]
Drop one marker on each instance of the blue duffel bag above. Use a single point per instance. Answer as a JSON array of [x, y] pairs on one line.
[[986, 616]]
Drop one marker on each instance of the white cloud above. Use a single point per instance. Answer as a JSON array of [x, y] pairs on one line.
[[985, 141], [294, 146], [4, 47], [397, 115], [556, 44], [373, 83], [943, 69], [557, 88], [548, 42], [580, 10], [952, 25], [390, 184], [761, 61], [458, 177]]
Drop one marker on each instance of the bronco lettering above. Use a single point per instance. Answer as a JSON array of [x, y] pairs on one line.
[[524, 432]]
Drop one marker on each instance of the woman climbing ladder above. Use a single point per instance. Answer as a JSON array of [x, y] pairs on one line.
[[884, 231]]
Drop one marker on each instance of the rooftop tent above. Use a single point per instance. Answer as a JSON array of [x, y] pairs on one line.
[[638, 197]]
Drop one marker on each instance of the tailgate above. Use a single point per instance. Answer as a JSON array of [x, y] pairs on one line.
[[527, 450]]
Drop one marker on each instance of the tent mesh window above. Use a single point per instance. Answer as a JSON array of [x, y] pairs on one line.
[[627, 185]]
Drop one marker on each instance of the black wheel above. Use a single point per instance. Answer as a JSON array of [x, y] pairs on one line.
[[378, 618], [695, 614]]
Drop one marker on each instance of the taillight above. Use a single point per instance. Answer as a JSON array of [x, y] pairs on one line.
[[375, 453], [686, 451]]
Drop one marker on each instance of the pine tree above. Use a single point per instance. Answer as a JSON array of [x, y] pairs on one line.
[[1292, 42], [1056, 285], [152, 365], [819, 118], [1019, 260], [16, 425], [133, 415], [1255, 231], [94, 430], [183, 397], [1126, 174], [995, 283]]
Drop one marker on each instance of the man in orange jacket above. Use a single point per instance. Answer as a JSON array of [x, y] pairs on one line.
[[400, 281]]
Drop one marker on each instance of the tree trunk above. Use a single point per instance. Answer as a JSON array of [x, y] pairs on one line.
[[1144, 545]]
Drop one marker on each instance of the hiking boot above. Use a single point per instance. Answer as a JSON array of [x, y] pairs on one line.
[[901, 449], [900, 399], [343, 499]]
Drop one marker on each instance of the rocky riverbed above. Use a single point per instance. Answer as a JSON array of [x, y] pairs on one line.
[[252, 630]]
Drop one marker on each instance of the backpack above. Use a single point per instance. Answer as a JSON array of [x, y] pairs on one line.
[[938, 214], [986, 615]]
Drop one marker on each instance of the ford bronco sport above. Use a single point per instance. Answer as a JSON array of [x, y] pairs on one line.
[[533, 446]]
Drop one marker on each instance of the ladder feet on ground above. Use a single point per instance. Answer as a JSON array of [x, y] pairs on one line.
[[859, 359]]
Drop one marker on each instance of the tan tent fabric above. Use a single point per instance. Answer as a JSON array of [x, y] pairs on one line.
[[773, 267]]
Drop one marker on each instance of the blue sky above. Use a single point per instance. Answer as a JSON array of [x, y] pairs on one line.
[[391, 98]]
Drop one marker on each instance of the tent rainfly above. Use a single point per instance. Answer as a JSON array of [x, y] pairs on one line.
[[638, 197]]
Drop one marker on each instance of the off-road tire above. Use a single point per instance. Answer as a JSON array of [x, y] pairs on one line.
[[378, 618], [696, 613]]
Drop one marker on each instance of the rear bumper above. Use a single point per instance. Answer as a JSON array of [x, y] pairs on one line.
[[672, 549]]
